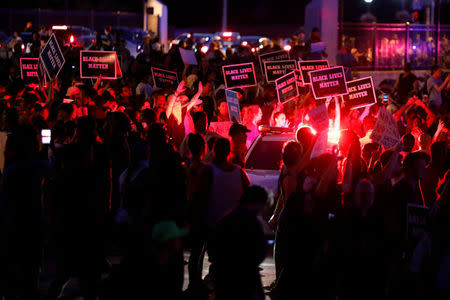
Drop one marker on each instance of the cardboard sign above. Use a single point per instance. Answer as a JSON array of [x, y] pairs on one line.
[[298, 77], [320, 146], [240, 75], [29, 70], [416, 220], [233, 105], [277, 69], [162, 78], [385, 131], [319, 118], [360, 93], [272, 56], [221, 128], [286, 87], [52, 58], [94, 64], [306, 66], [317, 47], [328, 82], [188, 56]]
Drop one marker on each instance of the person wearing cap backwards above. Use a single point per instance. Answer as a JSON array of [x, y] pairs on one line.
[[238, 134], [167, 271]]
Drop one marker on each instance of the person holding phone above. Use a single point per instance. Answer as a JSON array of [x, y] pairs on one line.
[[435, 85]]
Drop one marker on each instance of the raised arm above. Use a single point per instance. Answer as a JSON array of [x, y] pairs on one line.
[[431, 115], [397, 115], [194, 99]]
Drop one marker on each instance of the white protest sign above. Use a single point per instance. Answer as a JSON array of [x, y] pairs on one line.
[[188, 56], [319, 118], [320, 146], [385, 131]]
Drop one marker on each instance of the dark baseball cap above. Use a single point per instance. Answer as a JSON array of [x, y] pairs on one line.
[[237, 128]]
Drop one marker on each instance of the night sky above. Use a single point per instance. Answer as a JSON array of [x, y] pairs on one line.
[[208, 12]]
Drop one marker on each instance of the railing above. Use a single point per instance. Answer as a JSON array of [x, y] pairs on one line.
[[390, 46], [14, 19]]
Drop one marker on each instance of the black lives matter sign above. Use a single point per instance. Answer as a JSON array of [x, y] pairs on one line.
[[94, 64], [276, 69], [307, 66], [240, 75], [328, 82], [272, 56], [52, 58], [163, 78], [360, 93], [29, 70], [286, 87]]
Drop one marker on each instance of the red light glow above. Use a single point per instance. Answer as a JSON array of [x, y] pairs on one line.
[[244, 43], [71, 39], [227, 34], [287, 48]]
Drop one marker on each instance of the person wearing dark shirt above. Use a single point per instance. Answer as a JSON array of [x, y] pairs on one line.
[[406, 191], [406, 83], [238, 247]]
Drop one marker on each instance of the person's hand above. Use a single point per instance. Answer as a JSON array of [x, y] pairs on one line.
[[181, 88], [200, 89], [440, 126], [411, 101], [419, 103], [286, 124]]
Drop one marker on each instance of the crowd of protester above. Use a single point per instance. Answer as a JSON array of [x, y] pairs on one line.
[[136, 170]]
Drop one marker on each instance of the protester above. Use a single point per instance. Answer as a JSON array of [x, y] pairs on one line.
[[435, 86], [239, 245], [131, 166]]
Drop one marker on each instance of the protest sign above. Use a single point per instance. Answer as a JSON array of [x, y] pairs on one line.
[[221, 128], [29, 70], [328, 82], [298, 77], [52, 58], [317, 47], [188, 56], [94, 64], [416, 220], [162, 78], [360, 93], [233, 105], [306, 66], [319, 118], [272, 56], [240, 75], [286, 87], [385, 131], [276, 69], [320, 146]]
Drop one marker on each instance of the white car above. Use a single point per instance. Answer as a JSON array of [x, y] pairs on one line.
[[263, 158]]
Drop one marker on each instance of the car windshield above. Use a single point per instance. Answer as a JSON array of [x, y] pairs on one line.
[[266, 155]]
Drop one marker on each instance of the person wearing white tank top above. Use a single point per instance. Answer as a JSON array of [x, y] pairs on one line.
[[224, 182]]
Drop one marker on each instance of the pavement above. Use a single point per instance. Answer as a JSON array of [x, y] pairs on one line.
[[71, 290]]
